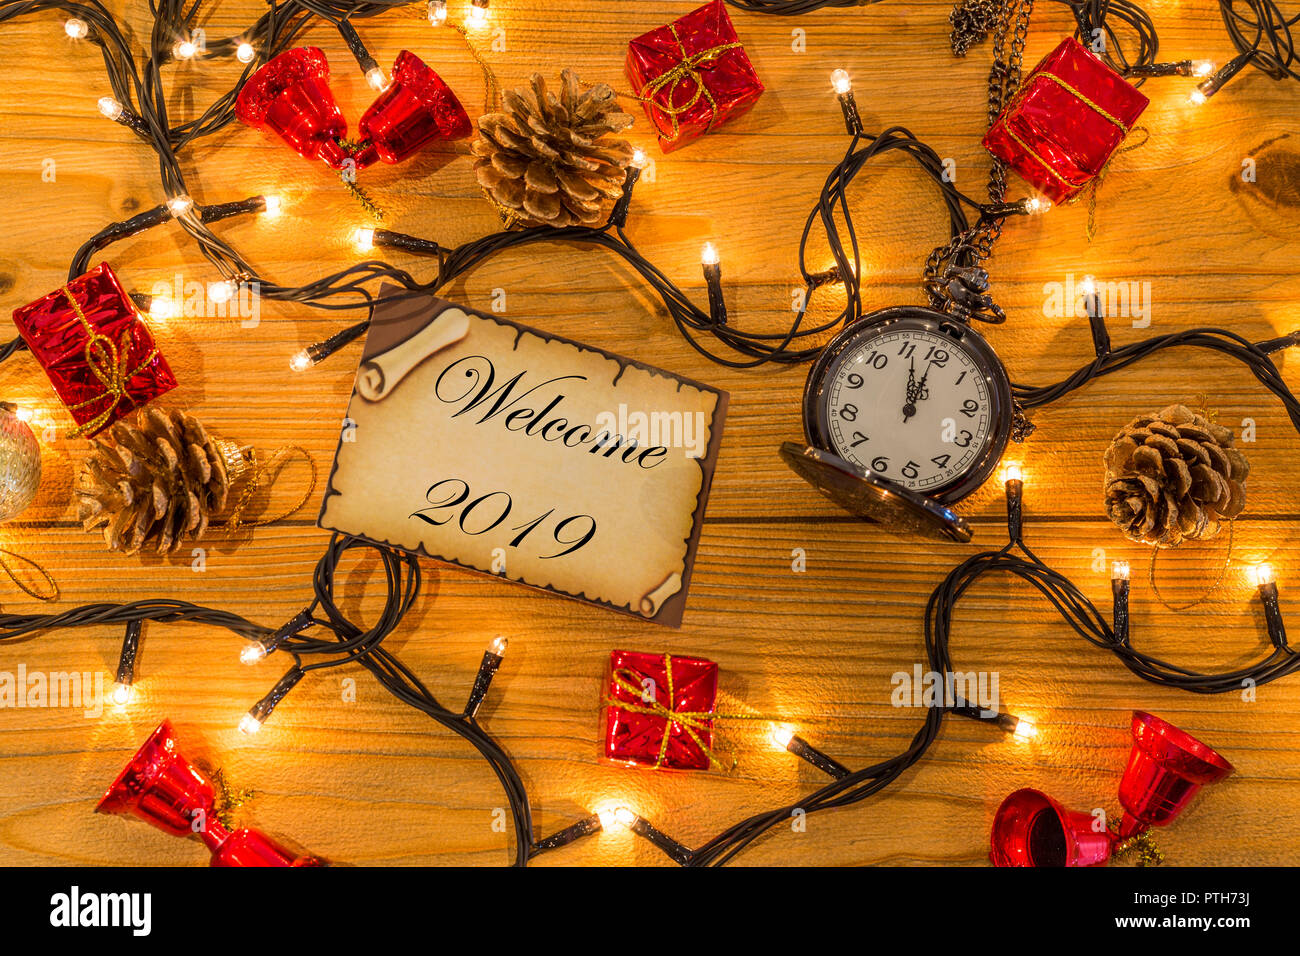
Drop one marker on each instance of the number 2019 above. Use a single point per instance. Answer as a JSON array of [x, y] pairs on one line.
[[488, 512]]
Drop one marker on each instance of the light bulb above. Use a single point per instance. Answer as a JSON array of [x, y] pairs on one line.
[[639, 158], [77, 29], [253, 652], [1037, 205], [709, 255], [477, 15], [781, 736], [250, 724], [1264, 574], [110, 107], [245, 53], [498, 645], [841, 82], [23, 414], [375, 77], [1197, 97], [437, 12], [121, 694], [1202, 68], [1120, 571], [363, 238], [162, 307], [223, 291], [301, 362], [624, 816], [1013, 472], [1087, 286], [185, 50], [1025, 729], [179, 205], [274, 205], [608, 818]]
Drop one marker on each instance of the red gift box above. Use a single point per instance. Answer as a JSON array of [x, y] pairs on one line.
[[692, 75], [660, 710], [1066, 120], [95, 348]]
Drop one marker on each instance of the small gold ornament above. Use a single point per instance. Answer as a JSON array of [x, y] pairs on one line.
[[20, 463], [1142, 848]]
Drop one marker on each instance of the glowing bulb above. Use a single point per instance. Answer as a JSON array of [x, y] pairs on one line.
[[1202, 67], [250, 724], [841, 82], [781, 736], [185, 50], [437, 12], [223, 291], [498, 645], [121, 694], [1037, 205], [363, 238], [110, 107], [1264, 574], [1087, 286], [1197, 97], [23, 414], [639, 158], [274, 205], [375, 77], [179, 205], [709, 256], [1025, 729], [301, 362], [252, 652], [624, 817], [608, 818], [76, 29], [244, 53], [1120, 571], [478, 13], [162, 307], [1013, 472]]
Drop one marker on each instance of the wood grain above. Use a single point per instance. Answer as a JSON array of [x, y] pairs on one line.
[[374, 783]]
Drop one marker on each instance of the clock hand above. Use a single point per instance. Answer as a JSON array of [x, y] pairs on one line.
[[909, 401]]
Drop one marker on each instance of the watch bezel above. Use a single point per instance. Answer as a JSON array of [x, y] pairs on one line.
[[816, 424]]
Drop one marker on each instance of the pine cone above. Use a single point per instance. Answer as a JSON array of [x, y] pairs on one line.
[[161, 480], [1172, 476], [545, 160]]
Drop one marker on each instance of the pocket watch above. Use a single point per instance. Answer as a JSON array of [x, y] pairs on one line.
[[906, 411]]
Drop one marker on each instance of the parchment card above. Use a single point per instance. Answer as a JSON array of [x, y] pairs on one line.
[[484, 443]]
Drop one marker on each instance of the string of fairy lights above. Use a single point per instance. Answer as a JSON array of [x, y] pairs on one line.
[[323, 636]]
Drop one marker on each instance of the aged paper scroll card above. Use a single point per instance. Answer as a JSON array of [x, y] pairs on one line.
[[484, 443]]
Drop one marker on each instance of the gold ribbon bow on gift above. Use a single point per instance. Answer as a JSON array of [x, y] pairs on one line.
[[1094, 181], [687, 69], [107, 361], [691, 721]]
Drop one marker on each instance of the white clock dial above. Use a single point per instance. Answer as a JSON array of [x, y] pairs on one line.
[[911, 405]]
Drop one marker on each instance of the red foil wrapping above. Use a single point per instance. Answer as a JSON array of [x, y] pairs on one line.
[[95, 348], [1065, 122], [693, 74], [646, 691], [416, 109]]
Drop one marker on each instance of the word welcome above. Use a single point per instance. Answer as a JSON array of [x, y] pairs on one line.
[[531, 421]]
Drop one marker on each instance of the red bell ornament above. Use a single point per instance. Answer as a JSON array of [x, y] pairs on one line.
[[290, 96], [415, 109], [1165, 769], [1032, 829], [164, 789]]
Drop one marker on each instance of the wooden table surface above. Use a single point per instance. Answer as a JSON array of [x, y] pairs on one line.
[[371, 782]]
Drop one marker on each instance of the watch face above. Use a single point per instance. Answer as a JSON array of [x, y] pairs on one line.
[[914, 397]]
